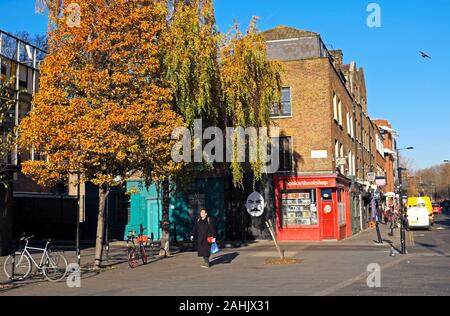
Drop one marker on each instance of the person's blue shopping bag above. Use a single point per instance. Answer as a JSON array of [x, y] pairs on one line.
[[214, 248]]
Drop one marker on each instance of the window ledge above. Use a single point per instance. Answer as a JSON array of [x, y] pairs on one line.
[[281, 117]]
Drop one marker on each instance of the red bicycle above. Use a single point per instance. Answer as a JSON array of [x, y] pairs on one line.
[[136, 248]]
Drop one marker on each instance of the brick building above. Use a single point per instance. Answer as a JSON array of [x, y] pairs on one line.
[[390, 153], [327, 143]]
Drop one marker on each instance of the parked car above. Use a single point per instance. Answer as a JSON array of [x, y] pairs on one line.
[[437, 208]]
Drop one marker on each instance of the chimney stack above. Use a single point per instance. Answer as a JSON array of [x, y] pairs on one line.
[[338, 57]]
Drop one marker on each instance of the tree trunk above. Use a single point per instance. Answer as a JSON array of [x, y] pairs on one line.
[[165, 237], [103, 195]]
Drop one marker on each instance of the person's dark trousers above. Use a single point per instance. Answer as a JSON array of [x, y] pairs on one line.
[[392, 226], [206, 260], [380, 239]]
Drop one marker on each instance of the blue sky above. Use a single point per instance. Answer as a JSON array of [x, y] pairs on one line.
[[411, 92]]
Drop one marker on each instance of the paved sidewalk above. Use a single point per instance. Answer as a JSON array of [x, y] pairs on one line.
[[332, 268]]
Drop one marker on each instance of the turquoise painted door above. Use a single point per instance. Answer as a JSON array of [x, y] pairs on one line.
[[154, 218], [138, 215]]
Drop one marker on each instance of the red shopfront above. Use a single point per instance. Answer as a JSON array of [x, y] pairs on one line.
[[312, 208]]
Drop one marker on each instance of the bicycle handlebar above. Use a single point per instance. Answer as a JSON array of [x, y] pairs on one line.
[[26, 238]]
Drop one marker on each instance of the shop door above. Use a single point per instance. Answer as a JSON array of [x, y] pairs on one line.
[[356, 214], [154, 218], [328, 215]]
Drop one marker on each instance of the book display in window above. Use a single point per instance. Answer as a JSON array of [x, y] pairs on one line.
[[299, 209]]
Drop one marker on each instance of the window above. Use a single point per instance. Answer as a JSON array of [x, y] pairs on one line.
[[299, 208], [350, 164], [348, 123], [353, 165], [285, 147], [326, 194], [286, 106], [23, 77], [37, 156], [341, 155], [335, 107], [352, 130], [340, 112], [336, 149]]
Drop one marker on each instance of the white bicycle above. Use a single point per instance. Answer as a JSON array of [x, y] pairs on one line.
[[52, 265]]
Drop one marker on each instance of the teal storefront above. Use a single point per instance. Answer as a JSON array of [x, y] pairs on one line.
[[146, 207]]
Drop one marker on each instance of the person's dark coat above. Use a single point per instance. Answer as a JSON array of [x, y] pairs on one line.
[[202, 230]]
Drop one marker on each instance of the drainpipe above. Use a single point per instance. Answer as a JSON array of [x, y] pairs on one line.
[[361, 212]]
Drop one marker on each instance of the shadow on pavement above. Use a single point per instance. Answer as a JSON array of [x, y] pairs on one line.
[[443, 221], [225, 259], [432, 248]]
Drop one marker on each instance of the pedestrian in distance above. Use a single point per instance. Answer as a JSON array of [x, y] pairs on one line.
[[205, 235]]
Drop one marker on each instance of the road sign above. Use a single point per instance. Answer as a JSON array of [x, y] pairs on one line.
[[371, 176], [341, 161]]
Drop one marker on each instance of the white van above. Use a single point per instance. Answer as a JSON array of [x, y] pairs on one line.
[[419, 217]]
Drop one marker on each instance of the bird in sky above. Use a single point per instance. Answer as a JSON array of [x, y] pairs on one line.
[[425, 55]]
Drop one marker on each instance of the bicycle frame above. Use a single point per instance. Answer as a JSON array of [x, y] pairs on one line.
[[28, 254]]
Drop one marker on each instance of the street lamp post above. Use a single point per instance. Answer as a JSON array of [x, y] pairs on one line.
[[78, 219], [402, 217], [448, 162]]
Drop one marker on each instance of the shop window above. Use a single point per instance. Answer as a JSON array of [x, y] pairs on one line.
[[286, 104], [299, 208]]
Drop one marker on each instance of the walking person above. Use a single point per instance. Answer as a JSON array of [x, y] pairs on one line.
[[205, 234], [392, 217]]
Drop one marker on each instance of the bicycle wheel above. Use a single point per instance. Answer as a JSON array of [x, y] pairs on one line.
[[55, 267], [144, 255], [132, 258], [22, 267]]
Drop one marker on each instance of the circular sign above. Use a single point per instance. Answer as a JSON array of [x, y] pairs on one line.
[[255, 204], [327, 209]]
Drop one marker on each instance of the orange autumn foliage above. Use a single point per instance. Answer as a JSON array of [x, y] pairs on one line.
[[102, 108]]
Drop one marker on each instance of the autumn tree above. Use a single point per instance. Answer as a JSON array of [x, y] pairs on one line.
[[7, 101], [103, 109], [251, 87], [223, 79]]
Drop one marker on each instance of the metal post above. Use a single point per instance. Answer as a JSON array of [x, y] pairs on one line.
[[272, 233], [107, 227], [402, 214], [78, 219]]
